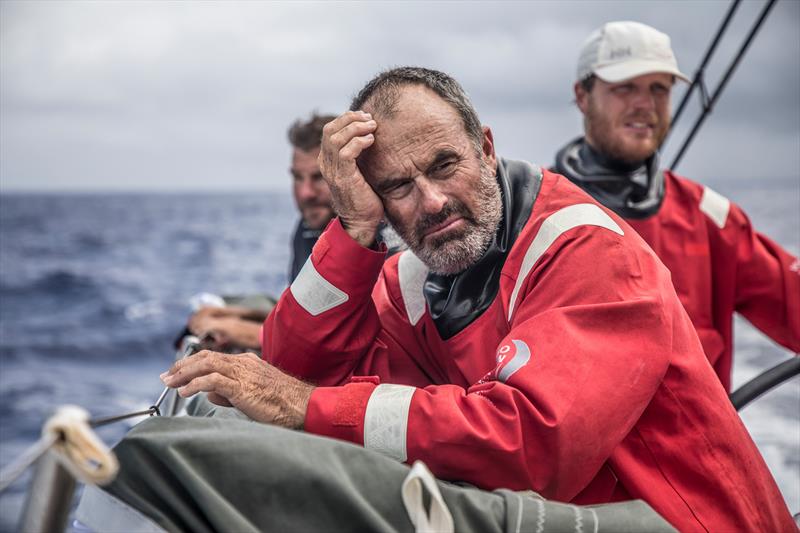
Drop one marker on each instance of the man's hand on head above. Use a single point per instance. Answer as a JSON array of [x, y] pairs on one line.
[[244, 381], [360, 210]]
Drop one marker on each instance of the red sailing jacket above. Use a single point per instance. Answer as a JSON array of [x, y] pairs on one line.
[[584, 379], [719, 266]]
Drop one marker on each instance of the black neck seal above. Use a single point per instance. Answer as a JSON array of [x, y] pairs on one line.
[[302, 243], [455, 301], [630, 190]]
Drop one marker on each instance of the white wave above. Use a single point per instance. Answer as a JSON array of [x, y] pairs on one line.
[[143, 310]]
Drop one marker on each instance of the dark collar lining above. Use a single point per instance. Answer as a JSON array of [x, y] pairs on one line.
[[456, 301], [631, 191]]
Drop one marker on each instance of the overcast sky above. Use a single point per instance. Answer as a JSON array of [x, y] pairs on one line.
[[198, 95]]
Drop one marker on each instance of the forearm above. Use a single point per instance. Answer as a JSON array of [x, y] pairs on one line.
[[248, 334], [247, 313], [326, 322], [767, 285], [522, 430]]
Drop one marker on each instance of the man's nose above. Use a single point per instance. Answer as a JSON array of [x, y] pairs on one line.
[[306, 190], [644, 100], [432, 199]]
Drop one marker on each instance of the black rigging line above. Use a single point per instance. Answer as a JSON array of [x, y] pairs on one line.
[[97, 422], [699, 75], [708, 103], [189, 346]]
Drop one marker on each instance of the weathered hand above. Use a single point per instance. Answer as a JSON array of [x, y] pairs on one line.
[[358, 207], [244, 381]]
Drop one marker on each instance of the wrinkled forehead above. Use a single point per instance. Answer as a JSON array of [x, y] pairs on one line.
[[419, 125]]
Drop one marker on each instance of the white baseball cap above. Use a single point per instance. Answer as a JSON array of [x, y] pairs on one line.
[[622, 50]]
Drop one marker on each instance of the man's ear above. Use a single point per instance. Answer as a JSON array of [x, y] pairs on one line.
[[488, 148], [581, 97]]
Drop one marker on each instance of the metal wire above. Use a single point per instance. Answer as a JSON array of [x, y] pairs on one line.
[[12, 471], [709, 104], [188, 346], [97, 422], [699, 75]]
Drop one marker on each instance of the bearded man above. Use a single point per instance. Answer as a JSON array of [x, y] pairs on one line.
[[720, 265], [528, 340]]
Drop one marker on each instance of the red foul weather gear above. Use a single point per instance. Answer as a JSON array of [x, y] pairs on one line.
[[721, 265], [583, 380]]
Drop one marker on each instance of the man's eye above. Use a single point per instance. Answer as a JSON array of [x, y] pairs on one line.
[[399, 190], [443, 168]]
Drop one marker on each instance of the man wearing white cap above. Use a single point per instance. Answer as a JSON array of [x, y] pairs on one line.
[[719, 264]]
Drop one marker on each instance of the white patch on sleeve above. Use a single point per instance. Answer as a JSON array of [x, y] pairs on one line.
[[521, 357], [412, 273], [552, 228], [715, 206], [386, 420], [314, 293]]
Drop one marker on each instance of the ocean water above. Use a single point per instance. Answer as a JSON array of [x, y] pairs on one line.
[[95, 287]]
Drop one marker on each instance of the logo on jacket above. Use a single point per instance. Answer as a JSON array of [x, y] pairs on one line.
[[510, 358]]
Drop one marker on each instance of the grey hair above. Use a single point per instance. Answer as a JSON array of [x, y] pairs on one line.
[[383, 90]]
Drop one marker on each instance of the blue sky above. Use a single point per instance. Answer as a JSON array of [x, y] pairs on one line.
[[198, 95]]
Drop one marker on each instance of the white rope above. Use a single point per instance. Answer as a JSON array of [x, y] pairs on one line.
[[436, 519], [79, 449]]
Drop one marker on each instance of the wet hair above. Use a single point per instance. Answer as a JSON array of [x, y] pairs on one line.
[[383, 92], [307, 135]]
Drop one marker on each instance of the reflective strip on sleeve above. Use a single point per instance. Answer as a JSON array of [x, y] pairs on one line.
[[552, 228], [314, 293], [386, 420], [521, 357], [412, 273], [715, 206]]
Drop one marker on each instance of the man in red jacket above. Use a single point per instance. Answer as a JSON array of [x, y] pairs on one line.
[[719, 263], [529, 339]]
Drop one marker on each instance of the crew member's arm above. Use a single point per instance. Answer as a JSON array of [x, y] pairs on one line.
[[223, 328], [229, 311], [325, 325], [589, 345], [226, 332], [767, 281]]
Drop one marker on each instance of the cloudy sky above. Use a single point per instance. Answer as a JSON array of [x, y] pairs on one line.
[[198, 95]]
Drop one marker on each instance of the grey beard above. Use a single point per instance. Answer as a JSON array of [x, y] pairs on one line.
[[456, 254]]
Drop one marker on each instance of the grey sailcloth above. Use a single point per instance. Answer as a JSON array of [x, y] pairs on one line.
[[219, 472]]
